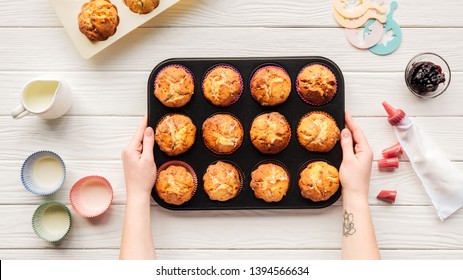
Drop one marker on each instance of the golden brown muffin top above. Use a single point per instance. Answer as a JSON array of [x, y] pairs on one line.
[[221, 181], [270, 85], [98, 20], [270, 133], [175, 185], [317, 84], [175, 134], [319, 181], [141, 6], [222, 86], [318, 132], [270, 182], [222, 133], [174, 86]]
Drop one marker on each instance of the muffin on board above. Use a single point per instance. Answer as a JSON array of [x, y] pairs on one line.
[[176, 182], [270, 182], [319, 181], [222, 181], [222, 133], [318, 132], [98, 20], [142, 6], [270, 133], [174, 86], [316, 84], [270, 85], [175, 134]]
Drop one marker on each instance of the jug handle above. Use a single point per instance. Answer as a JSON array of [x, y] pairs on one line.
[[19, 112]]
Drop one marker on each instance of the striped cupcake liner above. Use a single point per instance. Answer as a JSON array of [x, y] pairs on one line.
[[78, 202], [188, 71], [27, 173], [262, 68], [40, 227], [182, 164]]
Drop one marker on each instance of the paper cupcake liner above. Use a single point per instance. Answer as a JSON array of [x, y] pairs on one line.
[[300, 94], [170, 115], [280, 164], [228, 67], [314, 112], [39, 228], [79, 206], [178, 66], [290, 133], [186, 166], [260, 68], [237, 147], [240, 175], [27, 176]]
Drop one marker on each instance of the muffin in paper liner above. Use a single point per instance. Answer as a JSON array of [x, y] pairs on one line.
[[270, 85], [177, 142], [174, 86], [265, 184], [318, 180], [52, 221], [269, 139], [223, 133], [91, 196], [317, 138], [232, 88], [223, 180], [43, 173], [316, 84], [176, 182]]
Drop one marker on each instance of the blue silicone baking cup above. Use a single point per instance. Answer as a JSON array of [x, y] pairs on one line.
[[30, 182]]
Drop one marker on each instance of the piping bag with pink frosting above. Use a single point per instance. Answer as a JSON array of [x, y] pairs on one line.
[[442, 180]]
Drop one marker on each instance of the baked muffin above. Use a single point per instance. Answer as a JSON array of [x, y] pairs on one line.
[[270, 182], [176, 183], [223, 86], [319, 181], [318, 132], [270, 133], [222, 181], [174, 86], [316, 84], [270, 85], [142, 6], [98, 20], [222, 134], [175, 134]]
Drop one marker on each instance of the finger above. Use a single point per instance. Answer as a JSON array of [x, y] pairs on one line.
[[347, 144], [138, 136], [148, 144], [357, 133]]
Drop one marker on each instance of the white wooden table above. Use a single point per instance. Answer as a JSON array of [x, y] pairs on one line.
[[110, 99]]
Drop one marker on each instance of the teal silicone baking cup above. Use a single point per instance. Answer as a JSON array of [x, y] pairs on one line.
[[52, 221], [43, 173]]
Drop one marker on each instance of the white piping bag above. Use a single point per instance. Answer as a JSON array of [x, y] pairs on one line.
[[441, 179]]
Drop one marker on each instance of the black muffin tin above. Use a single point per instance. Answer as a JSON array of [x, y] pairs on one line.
[[247, 157]]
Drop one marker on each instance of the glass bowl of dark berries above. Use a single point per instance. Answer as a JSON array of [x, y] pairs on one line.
[[427, 75]]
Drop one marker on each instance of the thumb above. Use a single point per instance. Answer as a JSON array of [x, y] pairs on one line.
[[148, 143], [347, 143]]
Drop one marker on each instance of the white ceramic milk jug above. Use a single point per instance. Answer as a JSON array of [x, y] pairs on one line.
[[46, 97]]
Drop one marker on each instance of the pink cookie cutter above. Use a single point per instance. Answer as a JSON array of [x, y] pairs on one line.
[[371, 35]]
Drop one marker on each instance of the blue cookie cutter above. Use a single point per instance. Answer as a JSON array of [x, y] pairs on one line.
[[391, 25]]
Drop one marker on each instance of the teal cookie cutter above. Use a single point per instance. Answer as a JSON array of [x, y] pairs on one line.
[[391, 25]]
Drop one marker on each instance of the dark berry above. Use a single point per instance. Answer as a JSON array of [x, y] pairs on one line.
[[425, 77]]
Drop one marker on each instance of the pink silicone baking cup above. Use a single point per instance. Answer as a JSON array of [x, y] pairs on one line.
[[228, 67], [77, 203]]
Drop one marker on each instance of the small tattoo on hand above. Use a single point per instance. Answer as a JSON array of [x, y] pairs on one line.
[[348, 225]]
